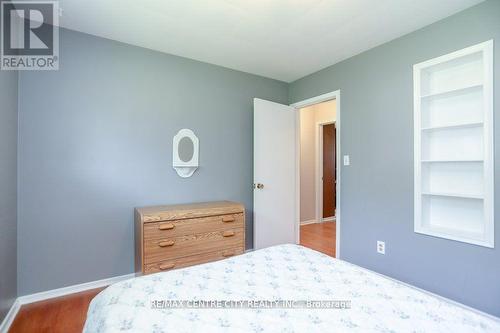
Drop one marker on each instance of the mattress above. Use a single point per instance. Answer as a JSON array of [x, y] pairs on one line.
[[285, 288]]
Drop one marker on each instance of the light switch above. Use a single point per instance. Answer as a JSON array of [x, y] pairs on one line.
[[347, 161]]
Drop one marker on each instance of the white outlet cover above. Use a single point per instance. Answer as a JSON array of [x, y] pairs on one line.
[[381, 247], [347, 160]]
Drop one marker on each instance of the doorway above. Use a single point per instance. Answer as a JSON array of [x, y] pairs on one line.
[[318, 172], [277, 181]]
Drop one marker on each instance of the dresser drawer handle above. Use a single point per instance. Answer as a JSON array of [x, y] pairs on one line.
[[228, 254], [166, 243], [167, 266], [227, 219], [228, 233], [166, 226]]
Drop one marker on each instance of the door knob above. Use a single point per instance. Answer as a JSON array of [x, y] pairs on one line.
[[258, 185]]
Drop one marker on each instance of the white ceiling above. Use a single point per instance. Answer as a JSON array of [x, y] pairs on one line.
[[281, 39]]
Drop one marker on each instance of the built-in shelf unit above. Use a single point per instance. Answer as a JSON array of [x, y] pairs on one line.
[[453, 118]]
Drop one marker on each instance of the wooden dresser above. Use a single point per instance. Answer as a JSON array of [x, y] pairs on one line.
[[169, 237]]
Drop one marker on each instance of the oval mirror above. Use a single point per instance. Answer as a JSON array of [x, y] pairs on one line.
[[186, 149]]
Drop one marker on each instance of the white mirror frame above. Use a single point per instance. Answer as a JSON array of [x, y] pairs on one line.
[[185, 169]]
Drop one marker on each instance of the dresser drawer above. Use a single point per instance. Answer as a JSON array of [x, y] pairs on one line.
[[167, 265], [156, 250], [184, 227], [174, 236]]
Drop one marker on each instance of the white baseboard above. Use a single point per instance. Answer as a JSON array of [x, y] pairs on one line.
[[9, 318], [328, 219], [72, 289], [308, 222]]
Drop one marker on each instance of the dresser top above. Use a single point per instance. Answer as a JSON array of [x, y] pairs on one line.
[[185, 211]]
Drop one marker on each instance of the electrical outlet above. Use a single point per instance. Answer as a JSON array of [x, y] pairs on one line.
[[381, 247], [347, 160]]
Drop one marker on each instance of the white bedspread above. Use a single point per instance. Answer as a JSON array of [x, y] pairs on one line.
[[286, 272]]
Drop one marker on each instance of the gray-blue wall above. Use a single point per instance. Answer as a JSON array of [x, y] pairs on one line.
[[8, 190], [377, 189], [96, 141]]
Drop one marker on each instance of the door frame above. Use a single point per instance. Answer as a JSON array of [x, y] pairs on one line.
[[299, 105], [319, 169]]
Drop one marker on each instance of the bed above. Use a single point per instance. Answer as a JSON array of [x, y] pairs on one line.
[[328, 295]]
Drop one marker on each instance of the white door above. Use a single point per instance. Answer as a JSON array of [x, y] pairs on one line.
[[274, 174]]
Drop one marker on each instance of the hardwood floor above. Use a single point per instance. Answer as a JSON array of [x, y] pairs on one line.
[[319, 237], [65, 314]]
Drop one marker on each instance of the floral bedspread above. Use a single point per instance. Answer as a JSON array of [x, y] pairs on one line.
[[317, 293]]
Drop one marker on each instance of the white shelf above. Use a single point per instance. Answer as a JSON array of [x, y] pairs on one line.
[[475, 238], [457, 91], [454, 126], [455, 195], [465, 179], [453, 146], [459, 143], [453, 109], [452, 161]]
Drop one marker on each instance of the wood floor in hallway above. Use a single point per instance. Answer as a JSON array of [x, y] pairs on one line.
[[319, 237]]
